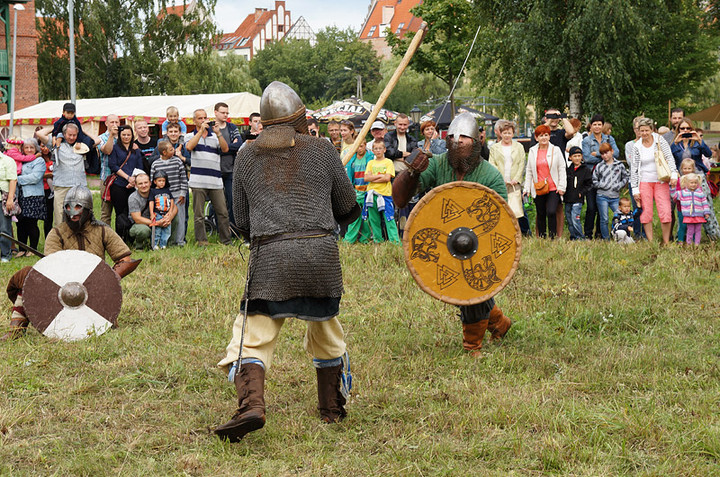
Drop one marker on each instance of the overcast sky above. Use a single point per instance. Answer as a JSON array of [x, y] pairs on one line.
[[319, 14]]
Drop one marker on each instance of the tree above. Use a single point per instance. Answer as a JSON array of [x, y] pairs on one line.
[[616, 57], [209, 73], [122, 46], [451, 28], [412, 88], [318, 73]]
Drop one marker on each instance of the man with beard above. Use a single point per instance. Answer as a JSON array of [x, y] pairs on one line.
[[289, 188], [79, 231], [462, 162]]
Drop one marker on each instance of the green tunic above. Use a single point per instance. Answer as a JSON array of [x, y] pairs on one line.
[[440, 172]]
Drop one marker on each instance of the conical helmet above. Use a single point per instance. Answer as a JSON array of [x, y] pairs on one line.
[[464, 125], [280, 104]]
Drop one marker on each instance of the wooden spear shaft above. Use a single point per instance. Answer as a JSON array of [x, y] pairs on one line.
[[414, 44]]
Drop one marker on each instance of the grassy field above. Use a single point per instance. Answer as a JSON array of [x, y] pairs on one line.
[[610, 368]]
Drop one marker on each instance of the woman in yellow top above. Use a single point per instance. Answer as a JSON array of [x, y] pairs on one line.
[[508, 157]]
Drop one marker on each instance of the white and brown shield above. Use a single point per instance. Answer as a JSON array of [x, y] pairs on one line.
[[462, 243], [71, 295]]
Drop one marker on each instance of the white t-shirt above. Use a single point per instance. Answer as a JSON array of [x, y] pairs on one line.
[[648, 169]]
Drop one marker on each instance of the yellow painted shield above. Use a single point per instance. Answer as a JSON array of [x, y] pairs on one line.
[[462, 243]]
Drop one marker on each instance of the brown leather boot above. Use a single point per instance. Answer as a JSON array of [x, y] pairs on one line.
[[473, 334], [331, 402], [499, 324], [18, 326], [250, 416]]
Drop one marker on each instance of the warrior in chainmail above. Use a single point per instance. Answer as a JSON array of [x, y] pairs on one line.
[[289, 189], [462, 162]]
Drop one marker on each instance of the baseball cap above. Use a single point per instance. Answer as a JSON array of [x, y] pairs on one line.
[[377, 125]]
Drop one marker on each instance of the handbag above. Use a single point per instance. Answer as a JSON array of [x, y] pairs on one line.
[[661, 164], [110, 180], [542, 187], [15, 208]]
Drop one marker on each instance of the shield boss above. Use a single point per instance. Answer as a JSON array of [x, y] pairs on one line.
[[70, 295], [462, 243]]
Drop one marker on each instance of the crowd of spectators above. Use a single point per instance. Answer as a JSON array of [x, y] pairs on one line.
[[567, 173]]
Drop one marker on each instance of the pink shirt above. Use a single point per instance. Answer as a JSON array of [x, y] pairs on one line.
[[543, 169]]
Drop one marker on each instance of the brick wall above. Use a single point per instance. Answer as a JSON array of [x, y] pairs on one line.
[[26, 80]]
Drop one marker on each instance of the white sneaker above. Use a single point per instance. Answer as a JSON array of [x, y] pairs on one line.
[[4, 260]]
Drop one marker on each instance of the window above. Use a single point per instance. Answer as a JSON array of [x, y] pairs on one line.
[[281, 28], [399, 28], [372, 30]]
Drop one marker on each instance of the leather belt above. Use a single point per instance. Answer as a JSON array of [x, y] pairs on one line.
[[304, 234]]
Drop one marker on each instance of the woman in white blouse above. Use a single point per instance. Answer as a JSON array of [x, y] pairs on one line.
[[546, 167], [644, 180], [508, 157]]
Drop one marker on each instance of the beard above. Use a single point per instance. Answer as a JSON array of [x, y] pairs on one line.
[[463, 159]]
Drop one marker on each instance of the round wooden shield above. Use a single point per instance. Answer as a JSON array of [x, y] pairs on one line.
[[71, 295], [462, 243]]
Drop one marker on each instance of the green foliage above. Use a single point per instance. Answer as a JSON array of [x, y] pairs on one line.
[[616, 57], [317, 72], [412, 88], [122, 47], [209, 73], [451, 27]]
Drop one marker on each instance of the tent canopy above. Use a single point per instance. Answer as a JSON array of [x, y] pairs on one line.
[[150, 108], [711, 114]]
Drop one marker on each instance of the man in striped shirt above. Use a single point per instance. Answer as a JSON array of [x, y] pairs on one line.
[[206, 144]]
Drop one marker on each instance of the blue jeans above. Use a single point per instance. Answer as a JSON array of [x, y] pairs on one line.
[[572, 215], [602, 204], [6, 227], [227, 189], [638, 229], [682, 227]]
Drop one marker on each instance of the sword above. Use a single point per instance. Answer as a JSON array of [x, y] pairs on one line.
[[26, 247]]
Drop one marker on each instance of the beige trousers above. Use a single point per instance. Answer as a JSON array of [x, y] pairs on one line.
[[323, 339], [59, 204]]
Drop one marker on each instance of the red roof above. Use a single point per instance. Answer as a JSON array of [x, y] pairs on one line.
[[178, 10], [402, 20], [251, 27]]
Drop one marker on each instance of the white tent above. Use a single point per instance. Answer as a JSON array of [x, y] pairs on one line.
[[92, 112]]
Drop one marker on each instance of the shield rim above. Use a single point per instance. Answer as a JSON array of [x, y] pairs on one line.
[[406, 244], [113, 318]]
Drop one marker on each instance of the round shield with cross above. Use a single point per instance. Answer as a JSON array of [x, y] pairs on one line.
[[462, 243], [71, 295]]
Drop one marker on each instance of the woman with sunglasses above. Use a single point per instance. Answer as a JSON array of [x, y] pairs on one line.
[[123, 160], [689, 144]]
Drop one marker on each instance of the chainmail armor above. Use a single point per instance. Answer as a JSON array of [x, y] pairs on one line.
[[286, 182]]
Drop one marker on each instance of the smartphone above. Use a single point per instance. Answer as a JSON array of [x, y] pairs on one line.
[[687, 135]]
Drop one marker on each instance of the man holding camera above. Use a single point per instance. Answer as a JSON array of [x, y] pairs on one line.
[[558, 136], [206, 144], [232, 137]]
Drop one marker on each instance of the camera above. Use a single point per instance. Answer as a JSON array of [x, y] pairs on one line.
[[686, 135], [211, 124], [313, 132]]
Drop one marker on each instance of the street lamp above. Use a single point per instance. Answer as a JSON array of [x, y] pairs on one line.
[[358, 89], [71, 47], [415, 115], [16, 7]]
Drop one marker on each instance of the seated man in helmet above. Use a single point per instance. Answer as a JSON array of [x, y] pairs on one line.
[[79, 231], [462, 162]]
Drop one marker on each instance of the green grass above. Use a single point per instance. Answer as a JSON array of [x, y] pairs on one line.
[[610, 368]]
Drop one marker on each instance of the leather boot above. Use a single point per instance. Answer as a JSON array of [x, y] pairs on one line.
[[250, 416], [473, 334], [18, 326], [330, 399], [499, 324]]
